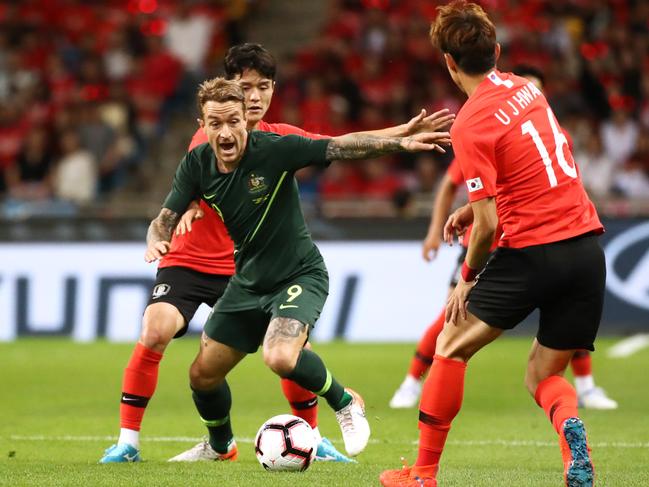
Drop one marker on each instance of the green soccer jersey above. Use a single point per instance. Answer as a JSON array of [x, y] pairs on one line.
[[258, 202]]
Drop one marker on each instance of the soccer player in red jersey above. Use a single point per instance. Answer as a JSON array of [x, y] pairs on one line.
[[195, 268], [519, 172], [407, 395]]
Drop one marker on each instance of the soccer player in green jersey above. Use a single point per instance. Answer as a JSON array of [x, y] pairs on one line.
[[281, 282]]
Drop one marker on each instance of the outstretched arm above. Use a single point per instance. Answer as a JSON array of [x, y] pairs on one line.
[[422, 122], [158, 237], [366, 146]]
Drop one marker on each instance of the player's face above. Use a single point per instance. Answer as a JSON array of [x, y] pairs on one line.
[[225, 127], [259, 93]]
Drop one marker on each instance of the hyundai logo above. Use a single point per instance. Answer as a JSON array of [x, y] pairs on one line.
[[633, 287]]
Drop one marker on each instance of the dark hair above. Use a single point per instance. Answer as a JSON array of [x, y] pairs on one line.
[[249, 56], [464, 31], [526, 70], [220, 90]]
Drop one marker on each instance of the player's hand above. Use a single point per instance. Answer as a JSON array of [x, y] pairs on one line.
[[426, 141], [457, 301], [156, 251], [430, 247], [458, 223], [440, 120], [194, 212]]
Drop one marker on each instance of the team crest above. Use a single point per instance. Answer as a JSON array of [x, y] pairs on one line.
[[256, 184], [160, 290]]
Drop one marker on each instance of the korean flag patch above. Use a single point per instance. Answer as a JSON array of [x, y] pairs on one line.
[[474, 184]]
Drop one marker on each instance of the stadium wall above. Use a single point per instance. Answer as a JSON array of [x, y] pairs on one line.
[[379, 291]]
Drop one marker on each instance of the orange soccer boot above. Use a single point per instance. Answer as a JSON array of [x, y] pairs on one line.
[[423, 476]]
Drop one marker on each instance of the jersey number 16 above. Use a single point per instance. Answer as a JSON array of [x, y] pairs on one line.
[[560, 141]]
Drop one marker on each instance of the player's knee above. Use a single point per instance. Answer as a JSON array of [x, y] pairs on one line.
[[154, 338], [199, 378], [280, 361], [451, 349], [159, 326]]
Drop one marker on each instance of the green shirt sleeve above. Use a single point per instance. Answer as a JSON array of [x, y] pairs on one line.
[[184, 188], [298, 152]]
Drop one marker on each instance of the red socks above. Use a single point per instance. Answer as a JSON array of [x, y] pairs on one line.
[[426, 348], [441, 400], [558, 399], [581, 363], [304, 403], [140, 380]]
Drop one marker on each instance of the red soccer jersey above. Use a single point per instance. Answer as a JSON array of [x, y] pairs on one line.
[[510, 146], [208, 247]]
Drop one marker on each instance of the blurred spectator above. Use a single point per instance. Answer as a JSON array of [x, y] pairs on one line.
[[154, 79], [379, 180], [75, 176], [100, 139], [188, 37], [315, 109], [340, 181], [426, 175], [632, 181], [30, 179], [13, 129], [619, 136], [644, 107], [117, 57], [595, 167]]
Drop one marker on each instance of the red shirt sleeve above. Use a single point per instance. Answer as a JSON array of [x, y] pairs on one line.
[[286, 129], [475, 151], [198, 139], [454, 173]]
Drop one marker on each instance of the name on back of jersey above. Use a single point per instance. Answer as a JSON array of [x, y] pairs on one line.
[[518, 103]]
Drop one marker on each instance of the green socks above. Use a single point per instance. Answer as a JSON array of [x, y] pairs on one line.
[[214, 409], [310, 372]]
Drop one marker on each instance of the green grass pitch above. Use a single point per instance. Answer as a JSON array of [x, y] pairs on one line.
[[59, 411]]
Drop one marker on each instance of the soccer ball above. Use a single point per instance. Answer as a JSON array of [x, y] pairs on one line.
[[285, 443]]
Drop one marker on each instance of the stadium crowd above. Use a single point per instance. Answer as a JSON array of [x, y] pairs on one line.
[[85, 87]]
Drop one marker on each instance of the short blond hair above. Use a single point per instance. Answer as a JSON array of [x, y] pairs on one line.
[[220, 90]]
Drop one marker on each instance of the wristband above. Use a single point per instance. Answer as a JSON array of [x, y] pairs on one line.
[[468, 274]]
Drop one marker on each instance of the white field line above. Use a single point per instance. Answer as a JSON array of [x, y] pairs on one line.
[[629, 346], [189, 439]]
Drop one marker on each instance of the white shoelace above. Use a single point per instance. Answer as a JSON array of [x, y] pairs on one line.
[[345, 418]]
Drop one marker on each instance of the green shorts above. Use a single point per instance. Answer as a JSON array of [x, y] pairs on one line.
[[241, 317]]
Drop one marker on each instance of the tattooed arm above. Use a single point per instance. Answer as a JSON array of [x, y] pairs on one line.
[[366, 146], [158, 237]]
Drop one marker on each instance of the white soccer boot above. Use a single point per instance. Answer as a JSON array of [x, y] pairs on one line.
[[354, 425], [407, 395], [596, 398], [203, 452]]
